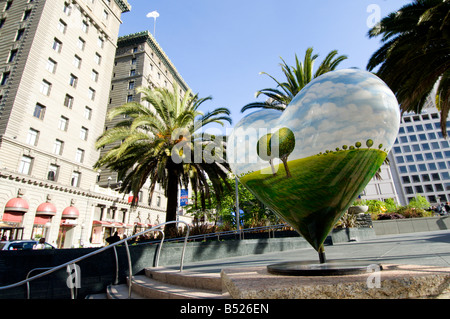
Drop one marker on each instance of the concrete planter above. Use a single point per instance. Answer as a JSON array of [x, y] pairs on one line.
[[411, 225]]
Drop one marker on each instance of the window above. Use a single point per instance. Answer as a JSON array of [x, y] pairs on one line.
[[75, 179], [12, 56], [100, 42], [68, 101], [426, 178], [415, 178], [91, 94], [429, 188], [51, 66], [25, 165], [20, 34], [98, 58], [84, 133], [84, 26], [432, 166], [5, 78], [130, 98], [2, 22], [73, 80], [131, 85], [105, 15], [63, 123], [133, 61], [58, 147], [87, 113], [132, 72], [77, 61], [438, 155], [158, 201], [52, 174], [62, 26], [67, 9], [79, 155], [435, 177], [94, 75], [409, 190], [32, 137], [45, 87], [39, 111], [57, 45], [81, 44]]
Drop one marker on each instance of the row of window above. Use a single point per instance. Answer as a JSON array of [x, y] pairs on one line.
[[58, 145], [420, 137], [419, 118], [413, 168], [421, 127], [26, 165], [422, 147], [420, 157], [428, 188]]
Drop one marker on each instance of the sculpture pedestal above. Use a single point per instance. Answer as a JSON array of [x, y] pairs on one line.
[[330, 268], [394, 281]]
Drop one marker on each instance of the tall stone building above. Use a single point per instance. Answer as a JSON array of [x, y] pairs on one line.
[[56, 62]]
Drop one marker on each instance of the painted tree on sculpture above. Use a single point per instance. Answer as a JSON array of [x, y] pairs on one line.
[[282, 143]]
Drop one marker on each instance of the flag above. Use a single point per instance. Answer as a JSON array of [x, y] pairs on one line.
[[153, 14]]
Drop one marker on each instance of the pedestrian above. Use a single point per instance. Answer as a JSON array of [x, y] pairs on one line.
[[447, 207], [40, 244], [113, 239]]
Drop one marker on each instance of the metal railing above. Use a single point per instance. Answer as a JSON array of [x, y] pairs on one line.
[[238, 233], [123, 241]]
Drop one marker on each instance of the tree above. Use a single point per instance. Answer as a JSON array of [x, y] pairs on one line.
[[369, 143], [264, 151], [282, 144], [414, 58], [296, 79], [155, 143]]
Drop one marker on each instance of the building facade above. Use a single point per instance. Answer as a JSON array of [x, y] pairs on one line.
[[381, 189], [420, 158], [56, 61]]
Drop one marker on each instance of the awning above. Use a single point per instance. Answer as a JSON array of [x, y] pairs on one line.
[[107, 224], [70, 212], [16, 205], [46, 209]]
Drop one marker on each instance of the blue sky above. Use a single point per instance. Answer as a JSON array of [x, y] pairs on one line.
[[219, 47]]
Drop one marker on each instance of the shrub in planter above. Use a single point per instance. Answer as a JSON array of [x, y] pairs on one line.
[[413, 212], [390, 216]]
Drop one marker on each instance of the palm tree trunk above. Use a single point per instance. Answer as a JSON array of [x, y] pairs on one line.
[[172, 202]]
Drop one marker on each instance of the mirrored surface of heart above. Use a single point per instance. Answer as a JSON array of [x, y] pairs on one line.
[[310, 162]]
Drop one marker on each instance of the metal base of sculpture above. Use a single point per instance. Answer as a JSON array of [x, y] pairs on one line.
[[328, 268]]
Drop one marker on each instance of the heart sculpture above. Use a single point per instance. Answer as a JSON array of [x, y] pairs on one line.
[[310, 162]]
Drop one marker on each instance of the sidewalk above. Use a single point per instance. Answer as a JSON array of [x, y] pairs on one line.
[[428, 248]]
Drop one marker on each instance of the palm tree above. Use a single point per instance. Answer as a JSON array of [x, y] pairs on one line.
[[414, 59], [155, 143], [296, 79]]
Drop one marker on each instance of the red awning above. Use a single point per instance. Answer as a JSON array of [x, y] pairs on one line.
[[16, 205], [46, 209], [70, 212], [12, 217], [107, 224], [42, 220]]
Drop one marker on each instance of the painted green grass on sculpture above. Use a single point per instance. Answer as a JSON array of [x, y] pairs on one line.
[[313, 200]]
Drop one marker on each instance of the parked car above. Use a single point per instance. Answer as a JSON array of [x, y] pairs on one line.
[[21, 245]]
